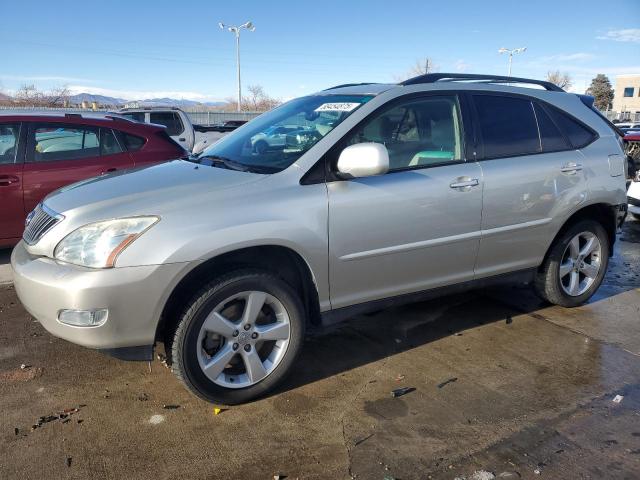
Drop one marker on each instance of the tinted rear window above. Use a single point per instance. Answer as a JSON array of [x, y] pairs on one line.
[[133, 142], [578, 135], [507, 125], [171, 120], [550, 136]]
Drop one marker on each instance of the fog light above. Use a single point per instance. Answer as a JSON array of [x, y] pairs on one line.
[[83, 318]]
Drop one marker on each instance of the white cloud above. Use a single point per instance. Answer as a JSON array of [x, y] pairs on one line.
[[141, 94], [624, 35], [567, 57], [461, 66]]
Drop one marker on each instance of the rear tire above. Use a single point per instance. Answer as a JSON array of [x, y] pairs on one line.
[[575, 265], [232, 343]]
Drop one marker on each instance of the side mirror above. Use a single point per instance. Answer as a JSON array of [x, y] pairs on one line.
[[363, 160]]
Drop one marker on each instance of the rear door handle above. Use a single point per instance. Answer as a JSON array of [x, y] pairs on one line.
[[109, 170], [6, 180], [182, 139], [460, 183], [571, 168]]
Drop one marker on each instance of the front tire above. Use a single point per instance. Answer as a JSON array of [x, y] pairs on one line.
[[575, 266], [238, 337]]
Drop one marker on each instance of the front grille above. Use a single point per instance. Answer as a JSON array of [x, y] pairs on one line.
[[39, 222]]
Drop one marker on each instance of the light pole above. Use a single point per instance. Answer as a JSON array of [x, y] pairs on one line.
[[511, 53], [236, 30]]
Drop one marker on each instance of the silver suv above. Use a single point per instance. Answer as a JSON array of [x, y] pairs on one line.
[[385, 194]]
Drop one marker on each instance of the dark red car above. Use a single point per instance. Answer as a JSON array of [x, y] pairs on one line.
[[40, 153]]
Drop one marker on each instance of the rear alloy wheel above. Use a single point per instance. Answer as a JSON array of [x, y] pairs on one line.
[[239, 337], [575, 265]]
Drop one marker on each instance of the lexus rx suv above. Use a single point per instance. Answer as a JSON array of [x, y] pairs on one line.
[[441, 183]]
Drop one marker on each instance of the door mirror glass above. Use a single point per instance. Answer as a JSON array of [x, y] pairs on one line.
[[363, 160]]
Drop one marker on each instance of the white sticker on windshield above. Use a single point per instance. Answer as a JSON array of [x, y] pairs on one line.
[[337, 107]]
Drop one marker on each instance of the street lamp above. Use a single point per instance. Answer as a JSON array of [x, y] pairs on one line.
[[511, 53], [236, 30]]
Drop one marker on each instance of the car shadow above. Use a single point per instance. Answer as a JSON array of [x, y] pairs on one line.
[[369, 338]]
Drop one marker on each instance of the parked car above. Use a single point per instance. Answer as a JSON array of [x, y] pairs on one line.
[[207, 135], [274, 136], [633, 196], [439, 184], [40, 153], [632, 149], [178, 125]]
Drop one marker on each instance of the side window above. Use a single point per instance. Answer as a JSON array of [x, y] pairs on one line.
[[171, 120], [136, 116], [108, 143], [133, 142], [419, 132], [9, 135], [578, 135], [507, 125], [550, 136], [64, 142]]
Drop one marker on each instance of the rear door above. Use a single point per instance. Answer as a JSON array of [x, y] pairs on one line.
[[11, 163], [532, 177], [62, 153]]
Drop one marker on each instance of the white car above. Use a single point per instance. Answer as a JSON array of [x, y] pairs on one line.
[[633, 196]]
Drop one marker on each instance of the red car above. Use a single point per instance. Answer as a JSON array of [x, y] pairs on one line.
[[40, 153]]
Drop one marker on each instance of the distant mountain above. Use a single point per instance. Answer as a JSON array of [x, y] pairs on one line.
[[172, 102], [149, 102], [100, 99]]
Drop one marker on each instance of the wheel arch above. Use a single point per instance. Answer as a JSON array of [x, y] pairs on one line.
[[603, 213], [277, 259]]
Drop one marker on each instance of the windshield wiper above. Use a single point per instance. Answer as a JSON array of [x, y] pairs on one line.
[[223, 162]]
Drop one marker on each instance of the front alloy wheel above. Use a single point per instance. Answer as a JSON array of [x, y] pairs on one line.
[[243, 339], [238, 337]]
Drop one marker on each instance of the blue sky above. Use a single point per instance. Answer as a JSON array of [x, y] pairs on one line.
[[135, 48]]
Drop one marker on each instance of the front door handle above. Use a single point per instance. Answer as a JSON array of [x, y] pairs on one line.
[[571, 168], [7, 180], [182, 139], [109, 170], [465, 183]]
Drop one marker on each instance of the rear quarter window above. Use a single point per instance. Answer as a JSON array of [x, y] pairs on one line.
[[579, 135], [132, 142]]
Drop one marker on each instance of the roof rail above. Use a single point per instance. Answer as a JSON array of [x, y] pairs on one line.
[[349, 85], [453, 77]]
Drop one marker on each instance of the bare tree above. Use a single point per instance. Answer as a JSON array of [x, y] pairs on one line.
[[30, 96], [257, 100], [57, 97], [562, 80], [421, 67]]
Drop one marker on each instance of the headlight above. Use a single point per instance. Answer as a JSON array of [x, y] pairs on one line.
[[97, 245]]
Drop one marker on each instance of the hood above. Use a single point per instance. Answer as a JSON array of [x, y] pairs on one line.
[[157, 188]]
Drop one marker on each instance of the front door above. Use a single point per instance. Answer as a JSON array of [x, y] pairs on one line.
[[416, 227], [59, 154], [11, 205]]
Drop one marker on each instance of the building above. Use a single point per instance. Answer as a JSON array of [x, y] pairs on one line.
[[626, 99]]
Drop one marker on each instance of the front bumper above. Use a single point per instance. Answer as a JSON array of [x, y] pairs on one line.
[[134, 297]]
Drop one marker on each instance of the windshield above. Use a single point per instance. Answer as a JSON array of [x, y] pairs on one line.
[[276, 139]]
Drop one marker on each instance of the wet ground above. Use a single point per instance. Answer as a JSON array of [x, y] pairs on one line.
[[503, 384]]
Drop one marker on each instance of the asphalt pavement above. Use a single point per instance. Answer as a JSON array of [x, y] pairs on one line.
[[503, 385]]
